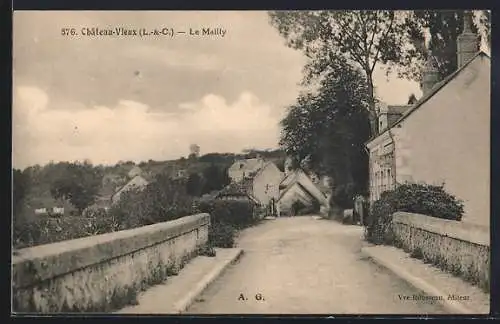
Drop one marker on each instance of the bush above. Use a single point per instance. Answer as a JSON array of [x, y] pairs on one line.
[[423, 199], [161, 201], [238, 214], [343, 196], [45, 229], [221, 235]]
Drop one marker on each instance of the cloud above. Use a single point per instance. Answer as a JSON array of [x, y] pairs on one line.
[[130, 130]]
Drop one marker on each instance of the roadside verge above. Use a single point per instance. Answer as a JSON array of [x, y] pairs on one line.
[[179, 292], [456, 295]]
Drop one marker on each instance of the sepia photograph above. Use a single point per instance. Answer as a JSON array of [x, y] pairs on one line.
[[314, 162]]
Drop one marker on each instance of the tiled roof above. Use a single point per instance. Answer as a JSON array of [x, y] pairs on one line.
[[237, 189], [247, 165]]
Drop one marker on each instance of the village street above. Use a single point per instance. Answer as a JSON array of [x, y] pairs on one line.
[[306, 265]]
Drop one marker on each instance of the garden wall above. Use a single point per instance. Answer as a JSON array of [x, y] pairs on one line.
[[458, 247], [103, 272]]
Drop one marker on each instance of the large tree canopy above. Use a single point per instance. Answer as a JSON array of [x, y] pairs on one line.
[[79, 184], [365, 38], [328, 127], [443, 27], [369, 38]]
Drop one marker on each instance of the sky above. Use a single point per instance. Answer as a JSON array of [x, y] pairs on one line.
[[110, 99]]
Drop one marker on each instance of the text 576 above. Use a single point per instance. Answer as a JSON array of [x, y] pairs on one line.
[[68, 31]]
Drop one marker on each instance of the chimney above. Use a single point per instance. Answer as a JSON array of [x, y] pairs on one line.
[[430, 74], [467, 42]]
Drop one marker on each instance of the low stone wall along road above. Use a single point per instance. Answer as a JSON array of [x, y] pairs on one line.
[[306, 265]]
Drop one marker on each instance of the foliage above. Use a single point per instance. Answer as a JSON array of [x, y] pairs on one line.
[[20, 188], [329, 128], [194, 185], [444, 26], [162, 200], [221, 235], [236, 213], [217, 158], [45, 229], [364, 37], [369, 38], [215, 178], [423, 199], [79, 184], [343, 195]]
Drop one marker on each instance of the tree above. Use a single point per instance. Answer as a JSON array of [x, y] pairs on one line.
[[194, 185], [215, 177], [443, 26], [365, 38], [20, 187], [80, 185], [162, 200], [485, 21], [194, 149], [329, 127]]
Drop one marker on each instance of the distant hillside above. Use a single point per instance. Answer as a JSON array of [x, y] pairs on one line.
[[42, 177], [223, 160]]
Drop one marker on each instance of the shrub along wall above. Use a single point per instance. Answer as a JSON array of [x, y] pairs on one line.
[[226, 218], [460, 248], [422, 199], [104, 272], [162, 200]]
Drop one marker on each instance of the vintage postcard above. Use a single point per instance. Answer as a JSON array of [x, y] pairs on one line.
[[251, 162]]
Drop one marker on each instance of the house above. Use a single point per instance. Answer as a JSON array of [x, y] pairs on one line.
[[444, 137], [298, 187], [242, 169], [262, 184], [111, 183], [135, 171], [138, 182], [265, 183], [237, 191], [180, 174]]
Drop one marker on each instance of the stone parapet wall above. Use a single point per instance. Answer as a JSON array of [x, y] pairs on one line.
[[103, 272], [457, 247]]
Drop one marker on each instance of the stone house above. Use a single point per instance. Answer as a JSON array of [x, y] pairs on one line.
[[262, 183], [444, 137], [242, 169], [237, 191], [298, 187], [135, 171], [138, 182]]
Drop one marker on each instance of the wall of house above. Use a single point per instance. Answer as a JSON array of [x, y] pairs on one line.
[[103, 272], [458, 247], [382, 166], [448, 140], [304, 180], [136, 182], [266, 184], [293, 194]]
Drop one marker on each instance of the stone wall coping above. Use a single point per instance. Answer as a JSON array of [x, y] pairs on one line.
[[464, 231], [37, 263]]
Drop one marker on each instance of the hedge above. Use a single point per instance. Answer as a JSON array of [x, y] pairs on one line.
[[430, 200], [238, 214]]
